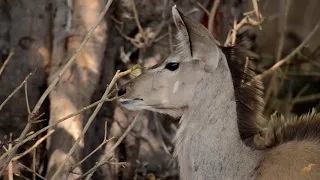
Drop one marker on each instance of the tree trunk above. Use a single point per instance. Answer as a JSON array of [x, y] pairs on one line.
[[74, 91], [25, 26]]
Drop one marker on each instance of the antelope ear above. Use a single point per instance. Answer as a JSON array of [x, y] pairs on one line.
[[196, 41]]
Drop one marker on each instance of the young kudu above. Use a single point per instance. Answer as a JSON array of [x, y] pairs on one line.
[[222, 133]]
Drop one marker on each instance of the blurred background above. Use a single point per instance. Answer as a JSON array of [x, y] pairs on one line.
[[40, 36]]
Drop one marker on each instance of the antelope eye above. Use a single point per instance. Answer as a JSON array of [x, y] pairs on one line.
[[172, 66]]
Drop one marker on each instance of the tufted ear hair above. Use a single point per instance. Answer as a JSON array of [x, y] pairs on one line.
[[196, 41]]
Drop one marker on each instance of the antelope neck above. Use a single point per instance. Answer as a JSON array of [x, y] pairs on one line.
[[208, 139]]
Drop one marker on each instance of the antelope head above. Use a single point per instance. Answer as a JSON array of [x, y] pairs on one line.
[[168, 87]]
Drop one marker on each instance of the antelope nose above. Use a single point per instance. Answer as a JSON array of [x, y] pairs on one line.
[[122, 91]]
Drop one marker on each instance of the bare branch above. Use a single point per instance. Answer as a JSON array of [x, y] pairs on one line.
[[291, 55], [34, 164], [10, 168], [105, 159], [92, 117], [212, 15], [280, 47], [303, 99], [91, 153], [4, 65], [203, 8], [34, 146], [27, 99], [15, 91], [32, 171], [136, 18], [54, 82], [34, 135]]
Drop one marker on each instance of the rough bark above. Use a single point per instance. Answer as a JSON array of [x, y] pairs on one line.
[[77, 85], [24, 26]]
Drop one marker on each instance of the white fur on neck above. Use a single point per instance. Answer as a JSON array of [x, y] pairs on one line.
[[208, 143]]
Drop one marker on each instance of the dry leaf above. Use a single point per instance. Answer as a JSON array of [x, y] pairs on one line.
[[306, 170]]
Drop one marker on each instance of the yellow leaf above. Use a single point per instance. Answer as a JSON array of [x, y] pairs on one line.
[[150, 176], [306, 170]]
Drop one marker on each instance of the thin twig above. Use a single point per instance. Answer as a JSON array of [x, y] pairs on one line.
[[10, 168], [91, 153], [4, 65], [303, 99], [35, 145], [105, 130], [27, 99], [136, 18], [212, 15], [32, 171], [256, 8], [203, 8], [283, 30], [92, 117], [34, 164], [22, 176], [55, 81], [15, 91], [32, 136], [291, 55], [160, 37], [86, 127], [105, 158], [303, 90], [231, 39], [316, 74]]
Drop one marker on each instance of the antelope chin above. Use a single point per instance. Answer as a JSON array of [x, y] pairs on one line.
[[138, 105], [133, 104]]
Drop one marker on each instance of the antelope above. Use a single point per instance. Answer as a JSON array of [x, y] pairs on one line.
[[222, 133]]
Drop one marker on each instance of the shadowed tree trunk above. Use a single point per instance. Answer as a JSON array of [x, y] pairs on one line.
[[24, 26], [72, 22]]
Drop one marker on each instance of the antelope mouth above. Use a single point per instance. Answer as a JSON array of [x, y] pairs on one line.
[[133, 104]]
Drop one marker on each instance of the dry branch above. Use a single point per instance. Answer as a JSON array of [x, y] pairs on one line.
[[39, 141], [4, 65], [212, 15], [32, 171], [288, 58], [105, 159], [231, 39], [303, 99], [280, 48], [91, 153], [92, 117], [52, 85], [10, 168], [34, 135], [14, 92]]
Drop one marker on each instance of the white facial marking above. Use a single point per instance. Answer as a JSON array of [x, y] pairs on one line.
[[176, 86], [164, 101]]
